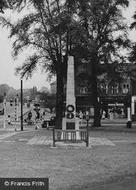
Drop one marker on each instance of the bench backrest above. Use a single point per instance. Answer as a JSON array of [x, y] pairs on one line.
[[70, 135]]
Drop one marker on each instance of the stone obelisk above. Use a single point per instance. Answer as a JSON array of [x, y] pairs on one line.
[[70, 90], [69, 122]]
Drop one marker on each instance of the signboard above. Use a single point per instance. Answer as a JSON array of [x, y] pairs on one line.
[[118, 104]]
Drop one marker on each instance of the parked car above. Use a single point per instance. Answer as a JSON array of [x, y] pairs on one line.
[[49, 122], [52, 121]]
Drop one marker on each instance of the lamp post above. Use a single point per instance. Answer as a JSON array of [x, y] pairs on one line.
[[129, 106], [17, 104], [21, 105], [15, 112], [4, 109], [87, 128]]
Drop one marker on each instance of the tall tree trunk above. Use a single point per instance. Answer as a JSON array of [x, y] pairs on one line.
[[97, 118], [96, 104], [59, 97]]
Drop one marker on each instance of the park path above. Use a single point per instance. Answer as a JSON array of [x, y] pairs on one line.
[[6, 135]]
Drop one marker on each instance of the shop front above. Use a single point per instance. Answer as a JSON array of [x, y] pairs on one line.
[[115, 107], [116, 111], [84, 104]]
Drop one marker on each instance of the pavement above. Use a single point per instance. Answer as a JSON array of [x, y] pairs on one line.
[[118, 125], [109, 159]]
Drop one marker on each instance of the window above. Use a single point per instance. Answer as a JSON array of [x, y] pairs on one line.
[[125, 88], [115, 89], [102, 88], [83, 90]]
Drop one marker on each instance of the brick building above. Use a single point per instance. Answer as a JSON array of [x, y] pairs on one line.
[[113, 97]]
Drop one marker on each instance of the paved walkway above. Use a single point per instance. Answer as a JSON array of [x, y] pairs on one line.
[[43, 140], [39, 137], [6, 135]]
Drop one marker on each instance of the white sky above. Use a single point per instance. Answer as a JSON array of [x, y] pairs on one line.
[[7, 64]]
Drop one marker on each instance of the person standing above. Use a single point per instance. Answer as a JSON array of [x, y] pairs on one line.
[[80, 117]]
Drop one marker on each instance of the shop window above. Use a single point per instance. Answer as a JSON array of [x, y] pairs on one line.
[[102, 88], [106, 88], [83, 90], [115, 89], [127, 86]]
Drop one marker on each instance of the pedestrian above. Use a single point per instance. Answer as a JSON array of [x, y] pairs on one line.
[[43, 113], [29, 115], [37, 117], [9, 120], [103, 114], [111, 115], [80, 114], [80, 117]]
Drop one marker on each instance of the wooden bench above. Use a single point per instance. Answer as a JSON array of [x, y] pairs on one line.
[[70, 136]]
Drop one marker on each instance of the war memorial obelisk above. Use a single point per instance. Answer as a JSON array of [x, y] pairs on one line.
[[70, 122]]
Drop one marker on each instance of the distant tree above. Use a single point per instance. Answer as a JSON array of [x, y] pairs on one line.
[[44, 89], [48, 100], [131, 70], [133, 47]]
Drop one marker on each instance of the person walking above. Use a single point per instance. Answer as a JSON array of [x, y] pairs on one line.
[[29, 118], [37, 118]]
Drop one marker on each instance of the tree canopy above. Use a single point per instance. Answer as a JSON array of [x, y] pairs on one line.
[[133, 50], [84, 25]]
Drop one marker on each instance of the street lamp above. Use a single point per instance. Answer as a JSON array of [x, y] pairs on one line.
[[15, 112], [129, 122], [17, 104], [21, 104], [4, 109]]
